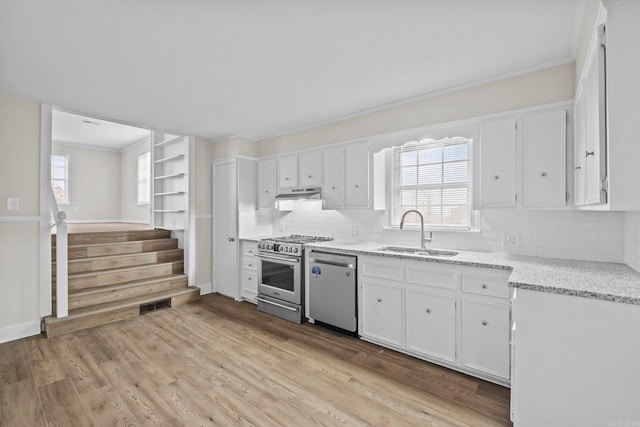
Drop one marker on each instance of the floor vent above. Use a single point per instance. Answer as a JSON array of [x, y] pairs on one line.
[[156, 305]]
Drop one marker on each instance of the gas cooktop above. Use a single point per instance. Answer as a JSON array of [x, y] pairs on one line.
[[298, 238], [289, 245]]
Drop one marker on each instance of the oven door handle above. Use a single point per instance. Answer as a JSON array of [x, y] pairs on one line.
[[276, 304], [277, 258]]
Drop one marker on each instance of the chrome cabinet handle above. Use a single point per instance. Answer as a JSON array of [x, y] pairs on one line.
[[428, 310], [231, 239], [309, 176], [543, 174], [484, 286], [496, 177], [484, 323], [379, 299], [357, 186], [577, 168], [589, 153]]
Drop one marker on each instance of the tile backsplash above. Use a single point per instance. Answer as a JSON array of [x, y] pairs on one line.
[[596, 236]]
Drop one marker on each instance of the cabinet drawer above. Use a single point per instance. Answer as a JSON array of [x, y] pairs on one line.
[[249, 280], [382, 270], [249, 263], [425, 275], [249, 248], [482, 285]]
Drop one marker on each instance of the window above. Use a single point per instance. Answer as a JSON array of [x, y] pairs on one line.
[[144, 178], [60, 177], [432, 177]]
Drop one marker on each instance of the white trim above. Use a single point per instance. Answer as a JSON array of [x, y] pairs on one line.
[[227, 138], [21, 330], [190, 232], [5, 219], [205, 288], [46, 119], [97, 221]]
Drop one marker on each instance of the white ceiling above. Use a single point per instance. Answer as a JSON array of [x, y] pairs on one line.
[[75, 129], [258, 68]]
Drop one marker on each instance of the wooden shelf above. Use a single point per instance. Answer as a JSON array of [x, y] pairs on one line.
[[173, 175], [169, 141], [169, 159], [170, 193]]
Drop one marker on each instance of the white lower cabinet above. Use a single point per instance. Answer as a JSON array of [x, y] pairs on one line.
[[485, 337], [453, 315], [382, 312], [431, 324], [249, 270]]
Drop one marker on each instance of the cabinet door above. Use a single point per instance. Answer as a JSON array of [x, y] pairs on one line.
[[334, 178], [382, 312], [266, 183], [594, 153], [288, 171], [431, 324], [485, 337], [545, 137], [498, 163], [579, 166], [310, 169], [358, 175]]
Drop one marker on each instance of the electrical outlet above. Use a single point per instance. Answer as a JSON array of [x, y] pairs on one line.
[[281, 226], [510, 240], [13, 203], [354, 230]]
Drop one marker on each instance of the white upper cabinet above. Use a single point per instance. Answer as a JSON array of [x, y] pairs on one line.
[[544, 144], [334, 178], [310, 169], [358, 175], [300, 170], [498, 163], [267, 183], [288, 171]]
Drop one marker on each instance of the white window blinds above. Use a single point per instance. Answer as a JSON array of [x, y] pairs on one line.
[[432, 177]]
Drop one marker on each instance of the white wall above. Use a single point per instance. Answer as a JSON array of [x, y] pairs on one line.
[[94, 185], [537, 88], [596, 236], [19, 230], [632, 239], [130, 211]]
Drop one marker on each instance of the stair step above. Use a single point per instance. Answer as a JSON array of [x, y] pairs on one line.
[[83, 265], [88, 317], [99, 278], [113, 236], [118, 248], [122, 291]]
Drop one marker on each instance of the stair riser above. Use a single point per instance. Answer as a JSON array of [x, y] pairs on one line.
[[119, 249], [86, 266], [104, 279], [61, 326], [112, 237], [123, 294]]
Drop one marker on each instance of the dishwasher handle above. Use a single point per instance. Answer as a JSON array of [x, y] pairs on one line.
[[327, 262]]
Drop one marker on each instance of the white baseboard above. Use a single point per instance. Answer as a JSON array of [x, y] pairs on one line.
[[22, 330], [205, 288]]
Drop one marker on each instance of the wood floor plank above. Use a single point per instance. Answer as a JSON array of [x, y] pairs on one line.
[[221, 362], [106, 408], [20, 405]]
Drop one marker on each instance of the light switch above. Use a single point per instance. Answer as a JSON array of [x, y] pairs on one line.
[[13, 203]]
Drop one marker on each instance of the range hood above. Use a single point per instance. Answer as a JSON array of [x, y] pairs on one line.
[[308, 193]]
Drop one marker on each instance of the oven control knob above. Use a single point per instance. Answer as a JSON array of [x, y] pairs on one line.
[[260, 245], [295, 250]]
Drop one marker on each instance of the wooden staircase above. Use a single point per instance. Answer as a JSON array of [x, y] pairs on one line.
[[116, 275]]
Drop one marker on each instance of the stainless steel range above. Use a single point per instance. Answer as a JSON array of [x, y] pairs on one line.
[[281, 272]]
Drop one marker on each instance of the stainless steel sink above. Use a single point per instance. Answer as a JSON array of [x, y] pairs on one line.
[[417, 251]]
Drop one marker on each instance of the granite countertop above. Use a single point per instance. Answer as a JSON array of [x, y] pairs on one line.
[[590, 279]]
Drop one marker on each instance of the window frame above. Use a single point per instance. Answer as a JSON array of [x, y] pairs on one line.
[[66, 179], [140, 180], [393, 221]]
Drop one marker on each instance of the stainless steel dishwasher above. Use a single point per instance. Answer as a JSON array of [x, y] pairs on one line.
[[332, 290]]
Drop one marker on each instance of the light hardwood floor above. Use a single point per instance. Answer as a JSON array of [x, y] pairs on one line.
[[220, 362]]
